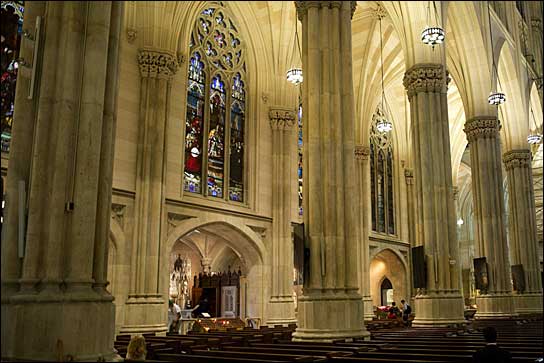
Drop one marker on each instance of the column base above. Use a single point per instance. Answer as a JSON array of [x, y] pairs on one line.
[[439, 309], [368, 308], [58, 331], [495, 306], [528, 303], [281, 311], [327, 316], [146, 313]]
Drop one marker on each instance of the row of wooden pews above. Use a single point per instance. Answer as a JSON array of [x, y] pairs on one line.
[[523, 338]]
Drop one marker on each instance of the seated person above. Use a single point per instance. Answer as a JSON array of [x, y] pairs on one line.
[[136, 348], [394, 311], [491, 353]]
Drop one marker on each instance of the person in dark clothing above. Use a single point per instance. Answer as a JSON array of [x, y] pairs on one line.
[[491, 353], [202, 307]]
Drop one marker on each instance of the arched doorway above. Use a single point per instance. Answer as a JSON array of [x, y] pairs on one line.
[[213, 247], [386, 292], [388, 278]]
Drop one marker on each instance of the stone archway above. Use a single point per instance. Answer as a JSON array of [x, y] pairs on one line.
[[387, 265], [241, 243]]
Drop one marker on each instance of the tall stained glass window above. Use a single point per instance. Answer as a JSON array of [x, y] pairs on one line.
[[381, 179], [216, 107], [12, 29]]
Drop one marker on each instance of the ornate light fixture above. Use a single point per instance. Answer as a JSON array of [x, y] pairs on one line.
[[534, 139], [432, 35], [383, 124], [294, 74], [495, 98]]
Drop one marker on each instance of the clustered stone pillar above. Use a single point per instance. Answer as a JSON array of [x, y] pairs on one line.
[[145, 306], [281, 308], [489, 215], [409, 179], [523, 231], [441, 301], [363, 181], [330, 307], [56, 306]]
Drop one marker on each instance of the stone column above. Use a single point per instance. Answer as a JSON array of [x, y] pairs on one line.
[[489, 215], [409, 179], [522, 225], [363, 182], [441, 301], [281, 308], [146, 305], [330, 307], [59, 309]]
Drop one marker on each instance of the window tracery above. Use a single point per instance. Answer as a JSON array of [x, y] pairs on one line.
[[216, 106], [381, 178]]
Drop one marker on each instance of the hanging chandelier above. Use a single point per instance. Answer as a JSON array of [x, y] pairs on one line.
[[533, 139], [432, 35], [294, 74], [495, 98], [383, 124]]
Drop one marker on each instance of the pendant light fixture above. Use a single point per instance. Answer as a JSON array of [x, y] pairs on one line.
[[533, 137], [383, 124], [294, 74], [432, 35], [495, 98]]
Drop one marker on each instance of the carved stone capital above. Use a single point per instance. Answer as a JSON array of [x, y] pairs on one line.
[[520, 158], [483, 127], [118, 213], [455, 192], [131, 35], [281, 118], [425, 78], [303, 6], [361, 152], [536, 23], [409, 176], [155, 63]]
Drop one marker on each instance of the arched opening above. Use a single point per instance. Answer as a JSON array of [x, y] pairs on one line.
[[218, 261], [386, 292], [388, 278]]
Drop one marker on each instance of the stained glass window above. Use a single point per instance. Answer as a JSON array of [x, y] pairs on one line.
[[381, 179], [216, 106], [12, 29]]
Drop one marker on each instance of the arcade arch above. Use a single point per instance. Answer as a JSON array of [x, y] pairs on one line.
[[388, 265]]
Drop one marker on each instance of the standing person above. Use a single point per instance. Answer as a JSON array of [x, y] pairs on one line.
[[491, 353], [174, 314], [406, 311]]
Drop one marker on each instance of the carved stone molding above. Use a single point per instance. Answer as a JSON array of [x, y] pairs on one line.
[[455, 192], [131, 35], [281, 118], [379, 12], [536, 23], [425, 78], [303, 6], [520, 158], [482, 127], [409, 176], [118, 213], [361, 152], [261, 231], [174, 219], [155, 63]]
